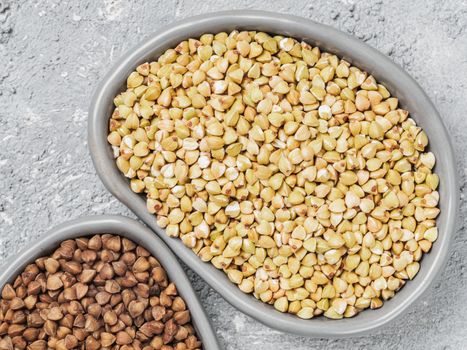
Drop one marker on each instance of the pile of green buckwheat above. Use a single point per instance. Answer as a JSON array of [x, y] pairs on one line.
[[284, 166]]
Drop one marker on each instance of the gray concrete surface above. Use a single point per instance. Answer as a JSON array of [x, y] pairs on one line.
[[53, 53]]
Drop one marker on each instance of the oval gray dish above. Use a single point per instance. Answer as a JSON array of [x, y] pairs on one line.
[[132, 230], [401, 85]]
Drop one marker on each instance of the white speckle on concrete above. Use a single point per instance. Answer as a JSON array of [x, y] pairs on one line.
[[31, 117], [7, 137], [238, 322], [6, 219], [79, 116], [104, 206], [178, 8], [113, 9], [47, 177]]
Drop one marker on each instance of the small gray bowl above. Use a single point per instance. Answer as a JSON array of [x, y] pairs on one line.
[[411, 97], [130, 229]]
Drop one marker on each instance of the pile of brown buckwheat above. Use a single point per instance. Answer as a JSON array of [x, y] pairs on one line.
[[99, 293]]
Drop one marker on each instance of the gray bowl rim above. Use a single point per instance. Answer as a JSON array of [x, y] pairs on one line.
[[410, 95], [133, 230]]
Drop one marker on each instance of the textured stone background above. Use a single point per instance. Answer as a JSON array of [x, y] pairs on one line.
[[53, 53]]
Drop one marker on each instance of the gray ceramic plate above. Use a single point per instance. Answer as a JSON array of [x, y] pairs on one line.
[[411, 97], [139, 234]]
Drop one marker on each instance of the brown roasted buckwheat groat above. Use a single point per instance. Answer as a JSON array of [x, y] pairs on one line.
[[103, 292], [288, 168]]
